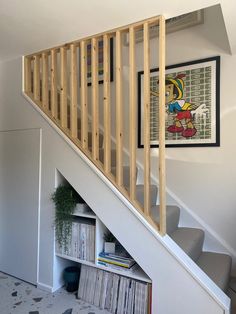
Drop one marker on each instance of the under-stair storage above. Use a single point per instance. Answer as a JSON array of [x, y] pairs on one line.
[[107, 280], [87, 243], [112, 281]]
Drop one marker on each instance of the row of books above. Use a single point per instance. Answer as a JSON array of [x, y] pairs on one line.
[[114, 293], [116, 261], [82, 244]]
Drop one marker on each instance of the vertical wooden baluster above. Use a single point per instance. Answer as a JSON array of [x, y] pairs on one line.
[[106, 100], [84, 107], [133, 112], [119, 111], [162, 175], [146, 120], [28, 75], [63, 88], [73, 91], [95, 105], [54, 84], [36, 78], [45, 81]]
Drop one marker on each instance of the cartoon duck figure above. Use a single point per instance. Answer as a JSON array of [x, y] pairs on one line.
[[178, 107]]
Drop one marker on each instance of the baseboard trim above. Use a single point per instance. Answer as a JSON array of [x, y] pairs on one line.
[[45, 287]]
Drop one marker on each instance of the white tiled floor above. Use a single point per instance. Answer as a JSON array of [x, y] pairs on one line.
[[18, 297]]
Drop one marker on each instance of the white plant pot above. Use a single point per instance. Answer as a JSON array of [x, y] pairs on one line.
[[109, 247]]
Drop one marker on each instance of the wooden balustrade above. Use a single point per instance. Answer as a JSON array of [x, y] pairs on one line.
[[133, 113], [106, 101], [84, 96], [73, 91], [77, 93], [54, 107]]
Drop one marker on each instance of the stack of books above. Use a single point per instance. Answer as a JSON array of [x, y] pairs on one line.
[[114, 293], [116, 261]]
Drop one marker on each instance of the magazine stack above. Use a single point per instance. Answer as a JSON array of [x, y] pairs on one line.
[[82, 244], [114, 293], [116, 261]]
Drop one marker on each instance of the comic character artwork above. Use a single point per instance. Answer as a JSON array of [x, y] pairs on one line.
[[192, 104], [182, 111]]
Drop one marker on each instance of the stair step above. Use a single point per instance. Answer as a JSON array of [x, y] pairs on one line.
[[140, 194], [90, 139], [126, 175], [190, 240], [113, 156], [172, 217], [217, 266]]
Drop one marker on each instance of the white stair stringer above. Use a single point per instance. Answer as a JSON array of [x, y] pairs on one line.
[[172, 272]]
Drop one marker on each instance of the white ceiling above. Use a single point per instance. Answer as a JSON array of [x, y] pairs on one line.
[[27, 26]]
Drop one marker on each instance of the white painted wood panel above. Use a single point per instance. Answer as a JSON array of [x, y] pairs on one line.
[[19, 203]]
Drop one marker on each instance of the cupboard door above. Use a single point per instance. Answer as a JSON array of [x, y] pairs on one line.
[[19, 203]]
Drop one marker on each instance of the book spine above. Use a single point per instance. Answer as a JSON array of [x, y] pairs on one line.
[[113, 262]]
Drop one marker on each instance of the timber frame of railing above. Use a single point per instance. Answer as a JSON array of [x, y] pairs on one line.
[[46, 83]]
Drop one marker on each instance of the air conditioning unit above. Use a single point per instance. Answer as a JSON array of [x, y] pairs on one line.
[[173, 24]]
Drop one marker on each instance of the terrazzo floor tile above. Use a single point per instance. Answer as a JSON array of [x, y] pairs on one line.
[[19, 297]]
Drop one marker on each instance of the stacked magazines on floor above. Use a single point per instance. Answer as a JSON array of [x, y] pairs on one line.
[[116, 261], [114, 293]]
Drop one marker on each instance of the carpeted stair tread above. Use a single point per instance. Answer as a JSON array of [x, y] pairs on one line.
[[126, 175], [217, 266], [190, 240], [172, 217]]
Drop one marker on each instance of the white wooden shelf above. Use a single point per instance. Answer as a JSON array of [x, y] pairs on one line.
[[100, 230], [138, 273], [77, 260]]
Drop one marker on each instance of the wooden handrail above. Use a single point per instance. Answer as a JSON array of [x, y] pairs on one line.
[[62, 99]]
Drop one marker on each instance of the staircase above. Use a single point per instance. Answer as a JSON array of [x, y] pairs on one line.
[[217, 266], [58, 97]]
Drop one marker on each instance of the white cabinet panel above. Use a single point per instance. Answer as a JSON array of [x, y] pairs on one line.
[[19, 203]]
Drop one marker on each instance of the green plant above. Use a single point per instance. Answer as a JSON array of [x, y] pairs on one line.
[[65, 199], [109, 237]]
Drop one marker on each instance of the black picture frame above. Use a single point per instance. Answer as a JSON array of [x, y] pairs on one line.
[[201, 87]]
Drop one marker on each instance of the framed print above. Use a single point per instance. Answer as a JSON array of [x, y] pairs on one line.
[[100, 62], [192, 104]]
